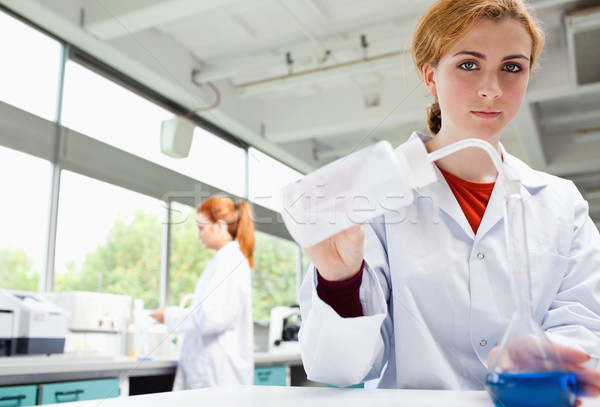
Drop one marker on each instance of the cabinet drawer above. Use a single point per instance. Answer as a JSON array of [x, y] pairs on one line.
[[17, 396], [271, 376], [79, 390]]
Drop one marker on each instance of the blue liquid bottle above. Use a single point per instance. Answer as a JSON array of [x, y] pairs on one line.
[[525, 371]]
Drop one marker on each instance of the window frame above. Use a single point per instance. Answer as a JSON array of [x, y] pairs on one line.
[[70, 150]]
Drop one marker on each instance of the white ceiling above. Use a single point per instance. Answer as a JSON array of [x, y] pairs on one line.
[[179, 47]]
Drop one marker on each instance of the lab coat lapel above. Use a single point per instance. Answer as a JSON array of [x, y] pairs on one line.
[[494, 211], [514, 169], [441, 195]]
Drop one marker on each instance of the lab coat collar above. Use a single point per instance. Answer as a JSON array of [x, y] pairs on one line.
[[226, 250], [442, 196], [229, 246]]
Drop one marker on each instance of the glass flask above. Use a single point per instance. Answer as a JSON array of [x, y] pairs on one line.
[[525, 371]]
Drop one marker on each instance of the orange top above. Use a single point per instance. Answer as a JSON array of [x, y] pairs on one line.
[[471, 196]]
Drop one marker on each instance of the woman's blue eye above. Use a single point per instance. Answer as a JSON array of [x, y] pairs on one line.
[[512, 68], [468, 65]]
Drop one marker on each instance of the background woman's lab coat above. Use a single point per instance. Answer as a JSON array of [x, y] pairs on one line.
[[218, 344], [437, 298]]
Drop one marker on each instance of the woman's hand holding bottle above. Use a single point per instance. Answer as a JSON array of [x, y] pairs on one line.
[[339, 257]]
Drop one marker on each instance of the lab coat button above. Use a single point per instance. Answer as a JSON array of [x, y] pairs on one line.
[[480, 256], [482, 342]]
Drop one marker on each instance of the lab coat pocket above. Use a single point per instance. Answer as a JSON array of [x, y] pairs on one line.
[[547, 271]]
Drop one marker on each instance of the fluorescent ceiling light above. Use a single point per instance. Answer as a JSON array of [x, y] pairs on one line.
[[586, 136], [318, 74]]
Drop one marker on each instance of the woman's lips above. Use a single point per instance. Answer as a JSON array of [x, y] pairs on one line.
[[486, 115]]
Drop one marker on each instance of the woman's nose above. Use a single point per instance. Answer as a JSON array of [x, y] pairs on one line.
[[490, 88]]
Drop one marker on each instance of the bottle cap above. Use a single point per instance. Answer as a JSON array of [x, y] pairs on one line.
[[414, 163]]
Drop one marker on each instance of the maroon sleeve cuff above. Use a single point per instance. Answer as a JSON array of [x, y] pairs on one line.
[[342, 296]]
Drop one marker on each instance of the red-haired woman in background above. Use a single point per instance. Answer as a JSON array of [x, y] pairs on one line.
[[218, 345]]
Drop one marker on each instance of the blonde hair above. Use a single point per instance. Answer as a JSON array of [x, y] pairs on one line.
[[447, 20]]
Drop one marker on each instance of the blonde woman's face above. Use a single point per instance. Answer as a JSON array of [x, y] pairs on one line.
[[481, 80]]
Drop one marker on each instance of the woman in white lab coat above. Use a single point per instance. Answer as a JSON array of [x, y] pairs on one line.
[[421, 297], [218, 341]]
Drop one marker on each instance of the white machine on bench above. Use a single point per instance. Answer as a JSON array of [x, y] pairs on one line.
[[30, 324]]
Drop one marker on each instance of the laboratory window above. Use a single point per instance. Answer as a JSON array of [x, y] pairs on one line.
[[274, 275], [267, 177], [30, 68], [109, 239], [102, 109], [25, 186]]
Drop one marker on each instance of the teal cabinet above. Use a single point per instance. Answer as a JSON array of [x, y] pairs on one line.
[[17, 396], [271, 376], [79, 390], [354, 386]]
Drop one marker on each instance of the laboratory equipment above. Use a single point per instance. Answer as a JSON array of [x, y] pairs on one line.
[[525, 370], [30, 324], [93, 311], [97, 322], [379, 179], [283, 328], [142, 321]]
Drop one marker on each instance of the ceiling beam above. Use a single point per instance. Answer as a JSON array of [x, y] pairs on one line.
[[570, 118], [303, 53], [109, 19], [366, 123]]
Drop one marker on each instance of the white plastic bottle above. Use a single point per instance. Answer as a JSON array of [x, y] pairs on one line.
[[354, 189]]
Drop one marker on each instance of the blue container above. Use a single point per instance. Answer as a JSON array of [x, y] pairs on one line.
[[541, 389]]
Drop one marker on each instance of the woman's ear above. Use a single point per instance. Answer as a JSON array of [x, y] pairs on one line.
[[429, 78], [222, 226]]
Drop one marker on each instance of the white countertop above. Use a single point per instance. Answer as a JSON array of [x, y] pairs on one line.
[[35, 368], [281, 357], [60, 363], [56, 363], [267, 396]]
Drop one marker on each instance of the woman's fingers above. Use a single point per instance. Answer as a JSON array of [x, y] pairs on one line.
[[588, 380], [571, 355], [339, 257]]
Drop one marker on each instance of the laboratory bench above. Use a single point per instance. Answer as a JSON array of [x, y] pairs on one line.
[[72, 377], [272, 396]]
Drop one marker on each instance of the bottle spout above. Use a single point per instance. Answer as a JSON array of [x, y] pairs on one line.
[[472, 142]]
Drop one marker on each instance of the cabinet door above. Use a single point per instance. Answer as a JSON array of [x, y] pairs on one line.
[[79, 390], [17, 396], [271, 376]]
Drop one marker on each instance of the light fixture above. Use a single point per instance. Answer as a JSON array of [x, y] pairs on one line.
[[315, 75], [176, 136], [586, 136]]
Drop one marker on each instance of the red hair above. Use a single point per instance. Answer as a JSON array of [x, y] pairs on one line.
[[237, 216], [447, 20]]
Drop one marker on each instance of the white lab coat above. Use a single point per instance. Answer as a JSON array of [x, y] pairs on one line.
[[437, 298], [218, 342]]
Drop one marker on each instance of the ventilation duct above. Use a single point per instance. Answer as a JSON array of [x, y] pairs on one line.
[[583, 41]]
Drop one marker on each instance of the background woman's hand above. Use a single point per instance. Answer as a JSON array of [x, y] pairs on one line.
[[339, 257], [159, 315]]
